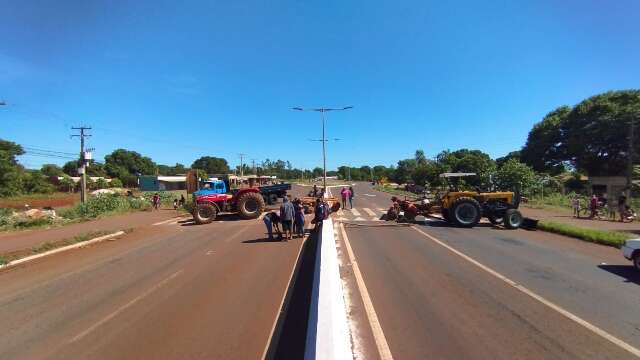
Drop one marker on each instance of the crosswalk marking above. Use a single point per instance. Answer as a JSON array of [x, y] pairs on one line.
[[355, 212], [369, 211]]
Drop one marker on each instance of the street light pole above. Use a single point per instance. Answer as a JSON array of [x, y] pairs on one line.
[[324, 140], [324, 154]]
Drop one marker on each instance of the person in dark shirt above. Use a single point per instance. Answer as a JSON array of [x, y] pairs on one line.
[[287, 214], [318, 215], [272, 220]]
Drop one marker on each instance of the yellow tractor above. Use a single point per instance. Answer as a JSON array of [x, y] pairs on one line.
[[465, 208]]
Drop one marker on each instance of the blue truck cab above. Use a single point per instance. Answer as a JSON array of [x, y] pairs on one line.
[[212, 187]]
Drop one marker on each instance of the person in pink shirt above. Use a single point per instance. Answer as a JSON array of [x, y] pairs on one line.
[[346, 194]]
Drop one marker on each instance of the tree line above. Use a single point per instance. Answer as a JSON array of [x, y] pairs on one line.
[[591, 138], [123, 167]]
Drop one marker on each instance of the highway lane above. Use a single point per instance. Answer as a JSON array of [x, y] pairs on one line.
[[172, 291], [432, 302]]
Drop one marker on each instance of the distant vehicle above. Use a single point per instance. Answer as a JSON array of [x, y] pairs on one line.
[[631, 251], [215, 197]]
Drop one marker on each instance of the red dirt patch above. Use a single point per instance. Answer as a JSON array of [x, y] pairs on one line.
[[55, 201]]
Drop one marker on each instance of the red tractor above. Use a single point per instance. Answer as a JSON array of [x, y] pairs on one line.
[[213, 199]]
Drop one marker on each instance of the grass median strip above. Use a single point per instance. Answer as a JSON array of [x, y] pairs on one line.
[[7, 258], [604, 237]]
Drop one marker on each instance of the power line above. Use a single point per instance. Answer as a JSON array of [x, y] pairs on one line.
[[31, 148]]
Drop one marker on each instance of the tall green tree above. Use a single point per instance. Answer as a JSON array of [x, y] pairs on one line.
[[211, 165], [468, 161], [10, 170], [50, 170], [596, 132], [544, 150], [126, 164], [592, 136]]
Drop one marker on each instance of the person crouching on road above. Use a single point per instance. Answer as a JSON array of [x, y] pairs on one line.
[[272, 220], [287, 213], [298, 223]]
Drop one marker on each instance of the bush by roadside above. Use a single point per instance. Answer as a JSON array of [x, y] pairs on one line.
[[395, 191], [105, 204], [609, 238]]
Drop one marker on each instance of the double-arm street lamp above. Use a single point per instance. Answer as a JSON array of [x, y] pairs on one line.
[[323, 140]]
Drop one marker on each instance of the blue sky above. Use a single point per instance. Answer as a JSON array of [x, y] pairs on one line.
[[178, 80]]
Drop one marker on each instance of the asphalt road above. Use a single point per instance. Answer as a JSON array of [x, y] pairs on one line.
[[433, 298], [171, 291]]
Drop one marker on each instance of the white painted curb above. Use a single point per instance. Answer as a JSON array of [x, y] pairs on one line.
[[61, 249], [328, 334]]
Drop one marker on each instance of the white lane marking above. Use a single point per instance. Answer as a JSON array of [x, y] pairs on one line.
[[553, 306], [369, 195], [164, 222], [374, 323], [369, 211], [125, 306], [359, 219], [209, 252], [355, 212]]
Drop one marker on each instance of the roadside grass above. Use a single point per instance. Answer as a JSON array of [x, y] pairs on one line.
[[394, 191], [51, 245], [609, 238]]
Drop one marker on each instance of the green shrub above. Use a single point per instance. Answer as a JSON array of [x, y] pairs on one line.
[[105, 203], [166, 197]]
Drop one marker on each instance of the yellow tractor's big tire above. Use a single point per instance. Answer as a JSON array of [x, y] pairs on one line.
[[465, 212], [250, 205], [512, 219], [204, 213]]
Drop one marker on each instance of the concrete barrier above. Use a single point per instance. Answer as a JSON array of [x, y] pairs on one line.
[[328, 334]]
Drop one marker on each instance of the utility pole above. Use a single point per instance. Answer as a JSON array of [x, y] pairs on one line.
[[253, 165], [630, 158], [241, 166], [83, 161], [324, 140]]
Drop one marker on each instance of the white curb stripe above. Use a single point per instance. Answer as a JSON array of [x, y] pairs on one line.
[[61, 249]]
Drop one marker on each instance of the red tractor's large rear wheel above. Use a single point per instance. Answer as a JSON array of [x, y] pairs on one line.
[[250, 205]]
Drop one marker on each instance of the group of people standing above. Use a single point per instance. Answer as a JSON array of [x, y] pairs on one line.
[[347, 194], [290, 216], [595, 203]]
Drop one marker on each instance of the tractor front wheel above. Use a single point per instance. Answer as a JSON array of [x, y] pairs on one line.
[[512, 219], [250, 205], [204, 213], [465, 212]]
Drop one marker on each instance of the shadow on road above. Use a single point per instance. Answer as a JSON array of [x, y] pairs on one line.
[[628, 272], [261, 240], [289, 338]]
